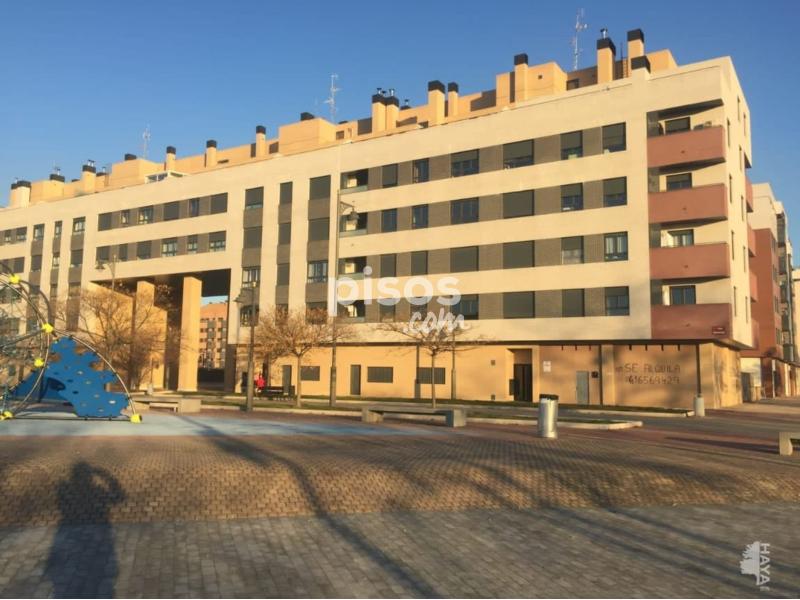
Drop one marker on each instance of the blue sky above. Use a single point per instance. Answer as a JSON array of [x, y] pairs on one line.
[[82, 80]]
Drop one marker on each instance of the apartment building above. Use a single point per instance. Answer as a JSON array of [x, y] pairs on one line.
[[595, 222], [213, 335], [769, 368]]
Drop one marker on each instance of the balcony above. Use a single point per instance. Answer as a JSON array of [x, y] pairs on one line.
[[691, 321], [753, 286], [751, 241], [691, 262], [748, 195], [702, 203], [703, 146]]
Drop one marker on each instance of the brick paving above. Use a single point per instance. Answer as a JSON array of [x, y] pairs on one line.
[[432, 512]]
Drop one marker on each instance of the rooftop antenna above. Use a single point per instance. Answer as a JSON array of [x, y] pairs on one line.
[[145, 141], [576, 49], [56, 169], [331, 101]]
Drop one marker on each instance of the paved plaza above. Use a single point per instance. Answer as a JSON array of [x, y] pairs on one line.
[[219, 505]]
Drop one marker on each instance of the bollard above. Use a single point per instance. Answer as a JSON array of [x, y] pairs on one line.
[[699, 406], [548, 415]]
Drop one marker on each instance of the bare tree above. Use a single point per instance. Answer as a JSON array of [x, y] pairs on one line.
[[435, 334], [297, 332]]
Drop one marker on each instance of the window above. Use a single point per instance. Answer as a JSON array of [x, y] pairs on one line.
[[467, 306], [424, 375], [615, 191], [389, 220], [172, 211], [38, 233], [252, 237], [572, 303], [194, 207], [517, 255], [573, 84], [36, 262], [284, 233], [143, 250], [517, 204], [318, 229], [283, 274], [464, 163], [309, 373], [388, 265], [353, 265], [419, 216], [169, 247], [219, 203], [122, 252], [22, 234], [419, 262], [614, 137], [285, 196], [216, 241], [518, 154], [380, 374], [75, 258], [682, 294], [355, 179], [420, 171], [679, 182], [572, 197], [389, 175], [677, 125], [356, 310], [244, 315], [733, 246], [317, 271], [319, 188], [387, 312], [681, 237], [78, 226], [464, 211], [571, 250], [735, 305], [56, 260], [145, 215], [616, 246], [518, 305], [254, 198], [571, 145], [464, 259], [728, 129], [191, 244], [251, 276], [57, 229], [349, 224], [8, 236], [617, 301]]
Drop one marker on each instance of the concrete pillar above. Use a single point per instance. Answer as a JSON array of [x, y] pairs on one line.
[[88, 178], [607, 372], [536, 373], [378, 114], [169, 160], [190, 334], [146, 310], [606, 52], [435, 102], [392, 112], [520, 77], [211, 153], [635, 43], [261, 141], [452, 99]]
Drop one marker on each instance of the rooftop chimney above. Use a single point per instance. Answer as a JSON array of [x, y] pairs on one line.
[[392, 104], [378, 113], [261, 140], [88, 178], [306, 116], [606, 53], [452, 99], [435, 102], [211, 153], [635, 43], [520, 77], [169, 159], [20, 195], [129, 156]]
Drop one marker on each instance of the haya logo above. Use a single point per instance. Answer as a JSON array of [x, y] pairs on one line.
[[755, 562]]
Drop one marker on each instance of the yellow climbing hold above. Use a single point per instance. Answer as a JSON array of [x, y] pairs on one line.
[[14, 279], [47, 328], [136, 418], [38, 363]]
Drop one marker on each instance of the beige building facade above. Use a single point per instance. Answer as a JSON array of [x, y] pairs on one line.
[[595, 224]]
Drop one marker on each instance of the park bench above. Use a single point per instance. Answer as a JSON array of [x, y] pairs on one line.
[[785, 442], [277, 392], [179, 405], [453, 417]]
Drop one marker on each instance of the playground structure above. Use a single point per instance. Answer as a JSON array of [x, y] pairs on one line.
[[40, 364]]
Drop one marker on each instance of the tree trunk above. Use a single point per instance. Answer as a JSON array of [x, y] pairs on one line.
[[298, 399], [433, 380]]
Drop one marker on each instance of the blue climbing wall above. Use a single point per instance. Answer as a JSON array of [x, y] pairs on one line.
[[71, 378]]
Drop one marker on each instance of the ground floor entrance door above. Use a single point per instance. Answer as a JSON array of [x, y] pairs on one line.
[[582, 387], [355, 380], [522, 383]]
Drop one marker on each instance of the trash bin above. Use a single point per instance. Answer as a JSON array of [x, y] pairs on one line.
[[699, 406], [548, 415]]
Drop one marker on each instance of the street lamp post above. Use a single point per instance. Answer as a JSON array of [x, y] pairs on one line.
[[242, 300], [112, 265], [352, 215]]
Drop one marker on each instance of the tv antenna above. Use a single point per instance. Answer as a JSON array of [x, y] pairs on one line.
[[331, 101], [576, 49], [145, 141]]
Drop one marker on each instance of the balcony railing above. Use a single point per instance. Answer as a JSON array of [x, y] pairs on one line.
[[690, 262], [751, 241], [691, 321], [753, 286], [702, 203], [703, 146]]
